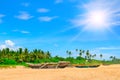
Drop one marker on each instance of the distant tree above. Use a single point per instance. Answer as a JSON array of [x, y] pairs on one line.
[[7, 50], [93, 56], [114, 58], [81, 52], [76, 50], [48, 54], [26, 55], [101, 56], [26, 51], [20, 51], [111, 57], [87, 54], [69, 53], [90, 56], [3, 53]]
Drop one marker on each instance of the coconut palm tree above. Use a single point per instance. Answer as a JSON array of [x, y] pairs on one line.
[[20, 51], [26, 51], [81, 52], [76, 50], [114, 58], [69, 53], [93, 56], [87, 54], [111, 57], [48, 54], [101, 56]]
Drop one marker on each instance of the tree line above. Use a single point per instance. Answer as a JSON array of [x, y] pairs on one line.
[[23, 55], [86, 54], [8, 56]]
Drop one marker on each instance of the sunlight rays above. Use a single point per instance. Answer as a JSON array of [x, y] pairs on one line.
[[98, 17]]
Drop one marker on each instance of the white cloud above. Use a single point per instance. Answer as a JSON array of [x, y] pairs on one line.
[[24, 16], [47, 18], [21, 31], [109, 48], [9, 44], [3, 46], [43, 10], [25, 4], [58, 1], [25, 32]]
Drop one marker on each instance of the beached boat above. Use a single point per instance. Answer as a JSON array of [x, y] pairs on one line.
[[88, 66], [61, 64]]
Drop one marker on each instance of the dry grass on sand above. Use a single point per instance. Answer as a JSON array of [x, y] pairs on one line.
[[111, 72]]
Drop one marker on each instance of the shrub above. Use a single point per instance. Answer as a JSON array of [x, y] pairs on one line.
[[7, 61]]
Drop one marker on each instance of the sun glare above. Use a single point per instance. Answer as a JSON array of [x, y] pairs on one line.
[[98, 16], [97, 20]]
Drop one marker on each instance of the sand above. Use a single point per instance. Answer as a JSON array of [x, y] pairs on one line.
[[111, 72]]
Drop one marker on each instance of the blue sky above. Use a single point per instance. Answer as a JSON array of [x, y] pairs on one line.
[[60, 25]]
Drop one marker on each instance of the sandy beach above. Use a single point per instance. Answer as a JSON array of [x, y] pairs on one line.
[[111, 72]]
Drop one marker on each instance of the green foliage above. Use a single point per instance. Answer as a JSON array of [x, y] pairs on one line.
[[7, 61], [113, 61], [23, 56], [19, 56]]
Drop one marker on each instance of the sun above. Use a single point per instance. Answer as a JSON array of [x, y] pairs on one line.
[[96, 20], [97, 17]]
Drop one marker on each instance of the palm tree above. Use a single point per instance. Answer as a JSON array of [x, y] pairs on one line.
[[20, 55], [3, 53], [111, 57], [114, 58], [87, 54], [69, 53], [26, 51], [7, 52], [101, 56], [48, 54], [90, 56], [20, 51], [76, 50], [83, 51], [26, 55], [93, 56], [35, 51], [80, 53]]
